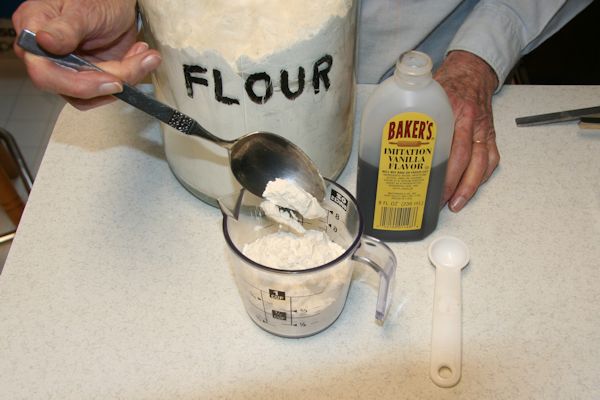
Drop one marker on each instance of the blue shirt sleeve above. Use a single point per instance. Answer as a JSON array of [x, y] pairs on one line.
[[501, 32]]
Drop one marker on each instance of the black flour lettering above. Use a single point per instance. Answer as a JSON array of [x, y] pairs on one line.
[[219, 90], [259, 85], [252, 80], [321, 73], [188, 70], [285, 84]]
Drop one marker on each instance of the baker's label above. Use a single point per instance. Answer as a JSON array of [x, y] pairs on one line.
[[407, 144]]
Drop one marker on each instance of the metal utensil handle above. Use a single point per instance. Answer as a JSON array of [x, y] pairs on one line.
[[130, 94], [560, 116]]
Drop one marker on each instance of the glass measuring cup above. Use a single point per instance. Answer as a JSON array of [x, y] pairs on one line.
[[299, 303]]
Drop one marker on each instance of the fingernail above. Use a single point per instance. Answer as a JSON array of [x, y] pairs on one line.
[[151, 62], [141, 47], [110, 88], [457, 203]]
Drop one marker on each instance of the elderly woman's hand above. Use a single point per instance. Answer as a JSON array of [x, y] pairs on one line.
[[470, 83]]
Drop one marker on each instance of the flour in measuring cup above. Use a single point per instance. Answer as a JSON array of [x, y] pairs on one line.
[[290, 251]]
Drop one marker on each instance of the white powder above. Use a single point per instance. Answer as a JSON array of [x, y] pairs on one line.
[[313, 299], [253, 28], [289, 251], [286, 193], [283, 217], [283, 196], [235, 41], [300, 249]]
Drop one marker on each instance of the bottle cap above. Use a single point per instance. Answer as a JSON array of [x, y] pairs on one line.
[[414, 63]]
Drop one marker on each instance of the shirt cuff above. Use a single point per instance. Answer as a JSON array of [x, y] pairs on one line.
[[491, 32]]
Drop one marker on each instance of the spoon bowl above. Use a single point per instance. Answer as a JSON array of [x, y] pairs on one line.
[[449, 252], [260, 157]]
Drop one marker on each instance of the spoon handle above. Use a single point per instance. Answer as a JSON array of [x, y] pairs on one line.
[[130, 94], [446, 334]]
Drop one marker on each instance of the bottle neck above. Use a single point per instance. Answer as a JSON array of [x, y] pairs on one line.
[[412, 81]]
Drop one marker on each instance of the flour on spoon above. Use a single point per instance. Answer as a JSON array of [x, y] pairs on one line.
[[283, 195]]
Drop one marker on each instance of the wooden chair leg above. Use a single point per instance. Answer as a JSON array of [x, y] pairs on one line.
[[9, 198], [8, 163]]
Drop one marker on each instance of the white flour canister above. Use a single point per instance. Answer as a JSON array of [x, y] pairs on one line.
[[244, 66]]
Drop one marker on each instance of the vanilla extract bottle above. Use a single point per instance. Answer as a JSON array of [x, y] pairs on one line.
[[406, 134]]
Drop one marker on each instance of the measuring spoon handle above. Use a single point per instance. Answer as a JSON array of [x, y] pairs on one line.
[[446, 334]]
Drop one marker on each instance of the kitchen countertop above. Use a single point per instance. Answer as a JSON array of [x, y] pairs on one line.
[[118, 283]]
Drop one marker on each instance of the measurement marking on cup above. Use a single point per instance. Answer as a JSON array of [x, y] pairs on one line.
[[276, 294], [279, 315], [339, 199], [264, 308], [274, 306]]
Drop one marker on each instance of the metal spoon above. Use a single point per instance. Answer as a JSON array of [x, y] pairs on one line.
[[254, 159], [449, 255]]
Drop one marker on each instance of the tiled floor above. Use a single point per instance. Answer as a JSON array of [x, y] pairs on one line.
[[29, 115]]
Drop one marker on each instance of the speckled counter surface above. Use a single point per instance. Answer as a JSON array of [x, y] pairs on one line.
[[118, 284]]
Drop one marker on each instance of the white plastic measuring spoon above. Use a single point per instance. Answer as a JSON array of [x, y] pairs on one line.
[[449, 255]]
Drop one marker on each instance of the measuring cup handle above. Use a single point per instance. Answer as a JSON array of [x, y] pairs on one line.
[[377, 255]]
